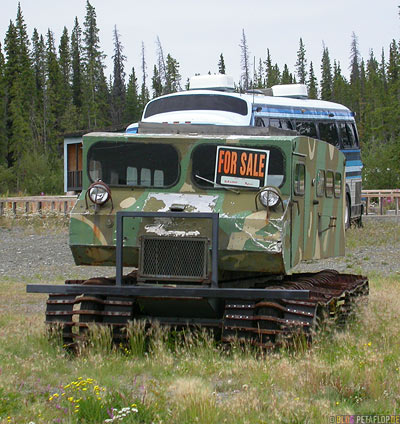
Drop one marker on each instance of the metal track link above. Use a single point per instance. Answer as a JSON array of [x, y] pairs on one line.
[[73, 315], [261, 322], [269, 323]]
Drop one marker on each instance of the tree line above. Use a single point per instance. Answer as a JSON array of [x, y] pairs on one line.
[[49, 90]]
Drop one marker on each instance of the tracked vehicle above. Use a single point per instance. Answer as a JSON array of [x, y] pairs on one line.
[[204, 226]]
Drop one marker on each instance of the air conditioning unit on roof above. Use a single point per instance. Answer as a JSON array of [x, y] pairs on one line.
[[296, 91], [212, 82]]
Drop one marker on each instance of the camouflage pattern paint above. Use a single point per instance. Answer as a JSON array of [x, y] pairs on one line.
[[251, 239]]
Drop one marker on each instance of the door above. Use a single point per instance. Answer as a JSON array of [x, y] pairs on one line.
[[298, 210]]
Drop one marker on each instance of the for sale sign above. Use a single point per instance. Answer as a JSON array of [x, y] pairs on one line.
[[243, 167]]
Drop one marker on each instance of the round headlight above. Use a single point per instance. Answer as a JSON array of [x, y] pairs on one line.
[[269, 198], [99, 193]]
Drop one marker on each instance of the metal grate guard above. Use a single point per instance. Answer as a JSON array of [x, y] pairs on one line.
[[173, 258]]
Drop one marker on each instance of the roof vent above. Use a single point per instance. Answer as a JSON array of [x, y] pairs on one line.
[[219, 82], [296, 91]]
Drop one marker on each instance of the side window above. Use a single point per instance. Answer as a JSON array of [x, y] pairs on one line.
[[95, 170], [354, 131], [286, 124], [329, 183], [306, 128], [347, 134], [350, 132], [320, 183], [338, 184], [346, 142], [299, 179], [259, 122], [328, 132], [274, 123]]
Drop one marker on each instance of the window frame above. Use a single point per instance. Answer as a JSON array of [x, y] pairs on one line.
[[306, 121], [336, 193], [198, 184], [324, 122], [296, 186], [123, 144], [329, 190], [318, 192]]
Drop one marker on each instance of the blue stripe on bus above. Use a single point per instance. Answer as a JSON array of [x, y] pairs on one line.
[[352, 155], [353, 163], [304, 113]]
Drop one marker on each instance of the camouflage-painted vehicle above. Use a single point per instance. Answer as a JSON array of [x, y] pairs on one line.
[[212, 226]]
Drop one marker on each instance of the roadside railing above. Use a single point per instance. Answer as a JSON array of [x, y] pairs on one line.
[[39, 205], [386, 199], [13, 206]]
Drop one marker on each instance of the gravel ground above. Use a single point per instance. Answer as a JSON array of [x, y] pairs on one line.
[[44, 255], [29, 255]]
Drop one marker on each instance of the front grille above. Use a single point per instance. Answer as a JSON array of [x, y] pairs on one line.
[[172, 258]]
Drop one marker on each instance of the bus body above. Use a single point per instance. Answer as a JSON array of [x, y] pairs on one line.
[[213, 102]]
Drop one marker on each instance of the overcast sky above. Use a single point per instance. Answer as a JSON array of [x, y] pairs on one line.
[[197, 32]]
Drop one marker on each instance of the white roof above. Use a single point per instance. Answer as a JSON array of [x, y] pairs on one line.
[[259, 104]]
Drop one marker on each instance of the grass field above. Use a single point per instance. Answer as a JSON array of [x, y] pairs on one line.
[[354, 370]]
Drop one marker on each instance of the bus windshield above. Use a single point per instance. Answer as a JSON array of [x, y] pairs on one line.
[[196, 102]]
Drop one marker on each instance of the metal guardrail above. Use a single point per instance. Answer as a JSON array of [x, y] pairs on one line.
[[13, 206], [381, 195]]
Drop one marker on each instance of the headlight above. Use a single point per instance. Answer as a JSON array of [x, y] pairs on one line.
[[269, 197], [99, 193]]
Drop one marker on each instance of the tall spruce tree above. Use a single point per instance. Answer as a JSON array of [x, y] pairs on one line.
[[287, 77], [312, 83], [39, 61], [161, 67], [173, 76], [245, 80], [221, 64], [156, 83], [340, 87], [96, 95], [69, 121], [301, 63], [132, 106], [53, 101], [355, 73], [326, 75], [355, 59], [259, 77], [76, 66], [144, 91], [64, 54], [3, 134], [118, 92], [21, 87], [272, 72]]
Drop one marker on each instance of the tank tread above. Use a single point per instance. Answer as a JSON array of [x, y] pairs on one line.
[[73, 315], [261, 322], [270, 323], [264, 323]]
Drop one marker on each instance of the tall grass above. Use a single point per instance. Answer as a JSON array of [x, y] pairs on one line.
[[186, 377], [189, 378]]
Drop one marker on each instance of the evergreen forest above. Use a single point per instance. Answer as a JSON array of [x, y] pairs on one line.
[[50, 88]]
